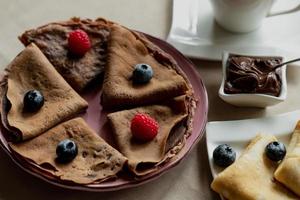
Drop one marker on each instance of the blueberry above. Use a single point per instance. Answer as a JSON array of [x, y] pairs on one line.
[[224, 155], [142, 73], [33, 100], [66, 151], [275, 151]]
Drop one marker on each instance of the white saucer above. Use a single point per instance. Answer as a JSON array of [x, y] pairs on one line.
[[195, 33], [239, 133]]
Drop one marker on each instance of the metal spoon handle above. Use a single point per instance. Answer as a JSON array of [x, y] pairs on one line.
[[285, 63]]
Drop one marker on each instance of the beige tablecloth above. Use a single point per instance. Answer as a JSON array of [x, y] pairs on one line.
[[190, 179]]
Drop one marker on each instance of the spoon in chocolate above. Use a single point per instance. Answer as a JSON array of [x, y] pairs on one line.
[[285, 63]]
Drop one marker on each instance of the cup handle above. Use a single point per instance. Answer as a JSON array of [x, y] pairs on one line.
[[282, 12]]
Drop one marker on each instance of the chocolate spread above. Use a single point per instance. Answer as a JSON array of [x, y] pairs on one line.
[[253, 75]]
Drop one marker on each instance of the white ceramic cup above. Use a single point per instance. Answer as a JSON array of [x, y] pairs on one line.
[[243, 15]]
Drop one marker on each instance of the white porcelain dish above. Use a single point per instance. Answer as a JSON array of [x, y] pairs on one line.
[[252, 100], [238, 133], [195, 33]]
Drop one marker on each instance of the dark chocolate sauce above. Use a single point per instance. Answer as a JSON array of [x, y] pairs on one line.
[[253, 75]]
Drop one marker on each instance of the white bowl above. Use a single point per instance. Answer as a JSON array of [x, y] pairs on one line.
[[253, 99]]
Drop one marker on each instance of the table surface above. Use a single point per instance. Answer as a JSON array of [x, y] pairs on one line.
[[190, 180]]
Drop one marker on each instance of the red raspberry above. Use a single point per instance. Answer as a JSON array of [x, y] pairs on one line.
[[143, 127], [79, 42]]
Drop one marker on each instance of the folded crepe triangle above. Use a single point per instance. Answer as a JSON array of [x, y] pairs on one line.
[[143, 158], [251, 176], [126, 49], [288, 172], [31, 70], [96, 160], [52, 39]]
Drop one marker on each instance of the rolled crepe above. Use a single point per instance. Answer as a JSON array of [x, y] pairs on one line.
[[96, 160], [145, 157], [251, 176], [288, 172], [31, 70]]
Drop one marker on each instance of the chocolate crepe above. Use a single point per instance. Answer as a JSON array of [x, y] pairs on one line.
[[96, 160], [144, 158], [126, 49], [31, 70], [52, 39]]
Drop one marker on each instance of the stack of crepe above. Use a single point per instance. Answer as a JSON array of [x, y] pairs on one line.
[[46, 65]]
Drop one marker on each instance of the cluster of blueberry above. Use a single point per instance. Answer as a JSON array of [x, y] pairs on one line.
[[224, 155]]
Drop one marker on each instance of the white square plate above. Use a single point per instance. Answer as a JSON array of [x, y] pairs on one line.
[[239, 133]]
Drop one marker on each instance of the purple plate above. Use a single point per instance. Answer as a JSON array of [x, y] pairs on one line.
[[97, 120]]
